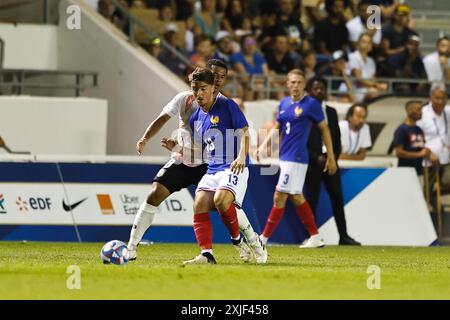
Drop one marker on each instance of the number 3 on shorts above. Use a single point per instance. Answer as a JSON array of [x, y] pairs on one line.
[[286, 179], [233, 179]]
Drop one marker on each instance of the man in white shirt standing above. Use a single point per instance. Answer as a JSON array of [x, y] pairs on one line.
[[435, 125], [437, 64], [355, 133], [358, 25]]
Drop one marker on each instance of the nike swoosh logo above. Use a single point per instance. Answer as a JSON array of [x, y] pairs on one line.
[[69, 207], [281, 112]]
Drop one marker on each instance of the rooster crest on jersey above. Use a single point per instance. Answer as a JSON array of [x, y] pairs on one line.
[[298, 111], [214, 120]]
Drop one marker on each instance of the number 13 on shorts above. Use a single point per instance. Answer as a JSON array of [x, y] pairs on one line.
[[233, 179]]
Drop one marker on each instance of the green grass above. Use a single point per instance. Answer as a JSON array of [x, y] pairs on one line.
[[38, 271]]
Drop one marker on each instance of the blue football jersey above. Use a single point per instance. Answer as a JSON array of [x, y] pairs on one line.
[[296, 119], [215, 131]]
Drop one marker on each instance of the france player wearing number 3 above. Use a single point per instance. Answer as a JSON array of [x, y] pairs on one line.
[[295, 117], [221, 128]]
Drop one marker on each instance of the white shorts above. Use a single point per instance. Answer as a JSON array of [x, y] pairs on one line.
[[226, 180], [292, 177]]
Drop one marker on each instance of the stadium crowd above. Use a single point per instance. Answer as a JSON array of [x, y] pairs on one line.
[[271, 37]]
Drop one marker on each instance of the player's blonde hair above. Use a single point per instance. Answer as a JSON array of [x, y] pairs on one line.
[[296, 72]]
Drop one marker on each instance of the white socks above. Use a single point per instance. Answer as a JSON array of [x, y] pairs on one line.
[[245, 226], [142, 222], [263, 239]]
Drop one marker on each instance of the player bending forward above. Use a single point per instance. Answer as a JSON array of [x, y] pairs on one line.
[[221, 128], [295, 116], [181, 172]]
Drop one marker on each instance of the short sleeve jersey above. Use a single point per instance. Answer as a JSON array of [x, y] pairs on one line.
[[296, 119], [216, 131]]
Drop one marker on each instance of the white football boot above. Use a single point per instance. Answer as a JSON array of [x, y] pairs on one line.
[[313, 242], [202, 258], [245, 253], [259, 250], [132, 252]]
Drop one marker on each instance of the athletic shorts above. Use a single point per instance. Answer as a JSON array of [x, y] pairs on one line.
[[292, 177], [226, 180], [176, 176]]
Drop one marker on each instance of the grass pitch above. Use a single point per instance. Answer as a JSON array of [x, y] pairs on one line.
[[38, 271]]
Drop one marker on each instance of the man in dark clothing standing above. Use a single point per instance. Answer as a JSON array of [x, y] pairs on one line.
[[409, 140], [317, 88]]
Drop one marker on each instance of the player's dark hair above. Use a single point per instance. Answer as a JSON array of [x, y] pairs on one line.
[[411, 102], [351, 110], [202, 75], [218, 63], [311, 81]]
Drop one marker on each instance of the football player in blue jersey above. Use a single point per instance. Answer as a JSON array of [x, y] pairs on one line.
[[296, 114], [222, 130]]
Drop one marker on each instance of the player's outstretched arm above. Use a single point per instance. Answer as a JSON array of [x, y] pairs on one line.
[[330, 165], [265, 143], [152, 129], [238, 165]]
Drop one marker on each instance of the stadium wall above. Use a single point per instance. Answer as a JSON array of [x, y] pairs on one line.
[[380, 210], [33, 47], [54, 125], [135, 84]]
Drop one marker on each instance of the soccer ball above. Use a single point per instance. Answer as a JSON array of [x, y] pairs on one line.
[[115, 252]]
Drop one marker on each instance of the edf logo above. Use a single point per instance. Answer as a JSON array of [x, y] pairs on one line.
[[40, 203], [35, 203]]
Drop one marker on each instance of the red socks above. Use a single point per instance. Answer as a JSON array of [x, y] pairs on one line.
[[229, 218], [272, 221], [306, 216], [203, 230]]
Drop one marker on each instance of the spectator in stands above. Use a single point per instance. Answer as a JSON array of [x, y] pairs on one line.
[[167, 57], [279, 60], [338, 67], [224, 47], [327, 42], [207, 22], [185, 9], [317, 88], [355, 133], [234, 16], [363, 68], [166, 13], [358, 26], [387, 7], [435, 125], [288, 20], [109, 11], [138, 4], [155, 47], [204, 50], [408, 64], [437, 64], [396, 32], [249, 62], [308, 63], [409, 140], [310, 15], [269, 30], [245, 29]]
